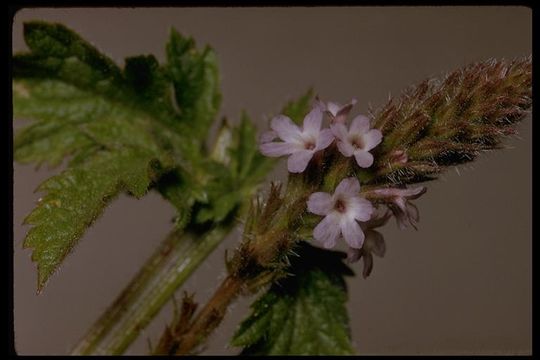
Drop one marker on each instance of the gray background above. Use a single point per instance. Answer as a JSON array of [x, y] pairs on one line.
[[461, 284]]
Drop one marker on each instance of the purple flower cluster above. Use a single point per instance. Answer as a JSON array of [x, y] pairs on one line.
[[302, 144], [346, 213]]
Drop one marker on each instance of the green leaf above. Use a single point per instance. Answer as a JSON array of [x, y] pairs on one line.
[[142, 74], [76, 197], [150, 85], [56, 40], [123, 129], [69, 120], [248, 165], [83, 105], [53, 100], [176, 187], [221, 195], [46, 142], [58, 52], [195, 78], [237, 170], [305, 313], [114, 150]]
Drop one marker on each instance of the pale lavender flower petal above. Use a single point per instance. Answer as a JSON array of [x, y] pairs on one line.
[[387, 192], [348, 187], [319, 104], [346, 109], [401, 203], [398, 201], [378, 219], [313, 122], [352, 233], [361, 209], [299, 160], [342, 209], [338, 113], [340, 118], [333, 108], [327, 231], [267, 136], [363, 158], [345, 148], [359, 125], [339, 131], [324, 140], [343, 113], [407, 193], [275, 149], [413, 193], [372, 138], [285, 128], [320, 203], [300, 144], [358, 140]]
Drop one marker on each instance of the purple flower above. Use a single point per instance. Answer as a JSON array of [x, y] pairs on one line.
[[341, 212], [338, 113], [299, 144], [373, 244], [358, 140], [398, 202]]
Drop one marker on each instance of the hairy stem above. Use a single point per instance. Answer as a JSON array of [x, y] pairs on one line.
[[256, 262], [166, 270], [211, 315]]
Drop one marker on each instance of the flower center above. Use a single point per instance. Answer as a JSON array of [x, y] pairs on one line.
[[357, 142], [339, 206], [309, 145]]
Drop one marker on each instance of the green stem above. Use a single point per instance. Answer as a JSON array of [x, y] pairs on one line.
[[127, 297], [168, 268], [253, 261]]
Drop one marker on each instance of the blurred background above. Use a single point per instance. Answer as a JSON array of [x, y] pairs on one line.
[[461, 284]]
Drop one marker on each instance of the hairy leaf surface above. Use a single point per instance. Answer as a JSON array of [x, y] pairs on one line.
[[305, 313], [76, 197], [120, 127], [195, 78]]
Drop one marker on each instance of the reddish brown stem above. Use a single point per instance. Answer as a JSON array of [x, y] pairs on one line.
[[208, 318]]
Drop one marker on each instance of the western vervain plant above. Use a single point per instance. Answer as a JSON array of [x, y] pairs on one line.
[[144, 127]]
